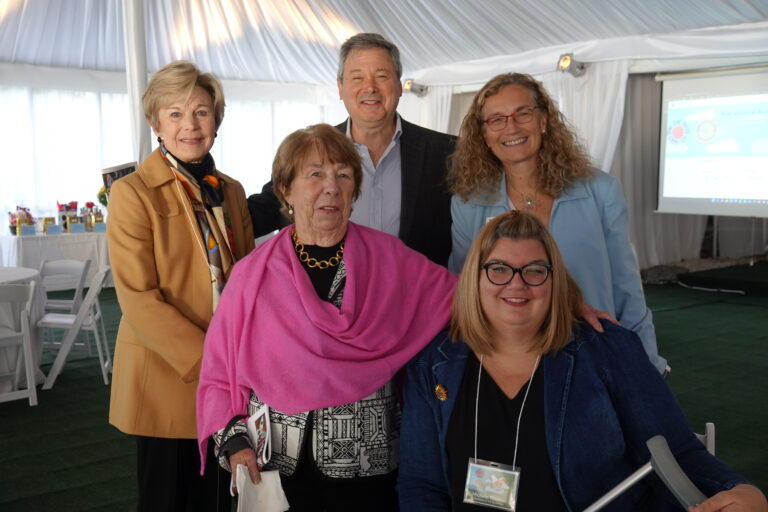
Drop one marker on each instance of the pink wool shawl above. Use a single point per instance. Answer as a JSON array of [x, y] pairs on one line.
[[272, 334]]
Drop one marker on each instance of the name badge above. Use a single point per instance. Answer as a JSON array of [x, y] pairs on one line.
[[491, 484]]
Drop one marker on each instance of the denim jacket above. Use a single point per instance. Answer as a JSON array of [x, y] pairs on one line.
[[602, 402]]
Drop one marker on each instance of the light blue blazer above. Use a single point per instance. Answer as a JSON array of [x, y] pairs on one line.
[[590, 224]]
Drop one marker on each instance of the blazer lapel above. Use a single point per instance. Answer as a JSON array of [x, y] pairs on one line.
[[412, 161], [558, 372]]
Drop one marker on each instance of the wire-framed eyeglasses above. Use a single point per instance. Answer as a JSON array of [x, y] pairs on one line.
[[522, 116], [532, 274]]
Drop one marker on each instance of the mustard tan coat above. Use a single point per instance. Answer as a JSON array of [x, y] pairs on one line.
[[163, 284]]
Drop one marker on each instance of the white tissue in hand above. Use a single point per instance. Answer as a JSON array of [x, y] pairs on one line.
[[266, 496]]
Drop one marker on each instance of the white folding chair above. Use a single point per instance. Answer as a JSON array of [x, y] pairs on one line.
[[88, 318], [57, 275], [20, 298], [64, 275], [708, 437]]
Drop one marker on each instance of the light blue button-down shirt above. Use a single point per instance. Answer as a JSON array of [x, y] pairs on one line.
[[378, 206]]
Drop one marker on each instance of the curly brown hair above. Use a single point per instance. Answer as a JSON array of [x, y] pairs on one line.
[[474, 168]]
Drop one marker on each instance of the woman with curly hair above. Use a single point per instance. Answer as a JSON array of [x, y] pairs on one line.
[[516, 151]]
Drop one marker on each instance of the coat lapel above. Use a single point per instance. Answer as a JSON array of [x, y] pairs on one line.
[[558, 372], [412, 157]]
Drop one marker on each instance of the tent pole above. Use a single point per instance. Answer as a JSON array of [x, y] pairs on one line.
[[136, 74]]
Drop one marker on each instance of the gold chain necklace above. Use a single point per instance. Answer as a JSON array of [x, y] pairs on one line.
[[310, 262]]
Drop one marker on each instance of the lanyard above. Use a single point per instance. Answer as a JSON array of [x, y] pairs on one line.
[[519, 416]]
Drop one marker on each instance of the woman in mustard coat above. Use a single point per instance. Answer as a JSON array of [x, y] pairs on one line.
[[176, 226]]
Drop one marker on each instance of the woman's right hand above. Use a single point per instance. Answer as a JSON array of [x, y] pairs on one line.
[[247, 458], [592, 316], [741, 498]]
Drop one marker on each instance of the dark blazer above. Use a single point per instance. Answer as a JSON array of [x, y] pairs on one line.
[[425, 211]]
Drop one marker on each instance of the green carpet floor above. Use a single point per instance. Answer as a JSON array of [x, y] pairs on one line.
[[717, 346], [63, 456]]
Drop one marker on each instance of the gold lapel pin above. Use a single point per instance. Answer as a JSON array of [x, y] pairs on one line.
[[441, 393]]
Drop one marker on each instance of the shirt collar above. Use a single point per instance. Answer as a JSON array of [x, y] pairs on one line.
[[395, 137], [576, 190]]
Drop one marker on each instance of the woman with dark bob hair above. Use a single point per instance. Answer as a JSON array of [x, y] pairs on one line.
[[314, 324], [518, 382], [176, 227], [516, 151]]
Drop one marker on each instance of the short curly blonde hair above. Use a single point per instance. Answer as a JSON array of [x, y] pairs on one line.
[[474, 167], [179, 79]]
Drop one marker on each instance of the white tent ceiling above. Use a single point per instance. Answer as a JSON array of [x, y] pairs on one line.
[[450, 45], [296, 41]]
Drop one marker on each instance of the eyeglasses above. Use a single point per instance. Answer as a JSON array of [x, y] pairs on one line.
[[522, 116], [532, 274]]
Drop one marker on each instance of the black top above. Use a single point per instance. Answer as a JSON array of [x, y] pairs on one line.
[[497, 424], [322, 279]]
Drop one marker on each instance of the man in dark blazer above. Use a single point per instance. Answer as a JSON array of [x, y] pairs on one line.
[[409, 162]]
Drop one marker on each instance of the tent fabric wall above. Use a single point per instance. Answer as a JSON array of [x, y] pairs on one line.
[[657, 238]]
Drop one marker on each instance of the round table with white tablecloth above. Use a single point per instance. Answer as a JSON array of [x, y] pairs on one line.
[[30, 251], [22, 275]]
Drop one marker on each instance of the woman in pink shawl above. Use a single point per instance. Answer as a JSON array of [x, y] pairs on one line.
[[315, 323]]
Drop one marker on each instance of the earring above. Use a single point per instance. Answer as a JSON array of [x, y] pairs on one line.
[[290, 209], [159, 140]]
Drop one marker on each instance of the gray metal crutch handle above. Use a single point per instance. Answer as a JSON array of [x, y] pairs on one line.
[[669, 471]]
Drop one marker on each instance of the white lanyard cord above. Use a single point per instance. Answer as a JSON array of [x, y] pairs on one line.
[[519, 416]]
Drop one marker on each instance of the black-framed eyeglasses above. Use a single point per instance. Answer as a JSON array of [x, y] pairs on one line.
[[522, 116], [532, 274]]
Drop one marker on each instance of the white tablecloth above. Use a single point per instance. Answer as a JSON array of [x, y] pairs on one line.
[[30, 251], [20, 275]]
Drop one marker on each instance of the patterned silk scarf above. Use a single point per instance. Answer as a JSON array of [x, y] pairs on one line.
[[212, 221]]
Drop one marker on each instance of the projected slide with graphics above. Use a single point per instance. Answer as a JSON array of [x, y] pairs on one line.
[[718, 148]]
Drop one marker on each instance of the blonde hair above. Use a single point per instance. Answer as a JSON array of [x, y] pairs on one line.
[[329, 142], [179, 79], [469, 322], [474, 167]]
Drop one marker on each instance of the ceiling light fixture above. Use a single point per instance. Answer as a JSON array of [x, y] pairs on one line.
[[568, 64], [418, 89]]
